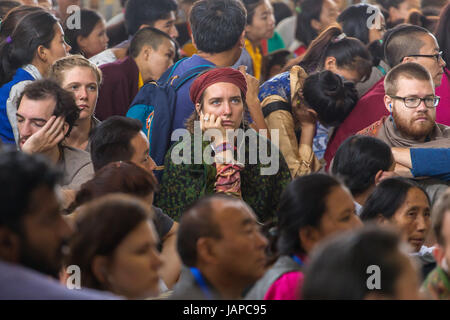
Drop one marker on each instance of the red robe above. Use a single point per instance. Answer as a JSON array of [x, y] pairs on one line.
[[120, 86]]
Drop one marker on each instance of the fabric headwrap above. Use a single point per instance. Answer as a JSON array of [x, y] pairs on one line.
[[214, 76]]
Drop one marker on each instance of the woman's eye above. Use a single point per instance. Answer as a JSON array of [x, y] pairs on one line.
[[93, 88], [236, 100]]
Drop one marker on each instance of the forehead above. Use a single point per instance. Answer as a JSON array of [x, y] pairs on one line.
[[222, 89], [409, 87], [430, 44], [36, 108], [79, 74], [339, 199], [166, 44], [232, 215], [139, 142], [416, 198]]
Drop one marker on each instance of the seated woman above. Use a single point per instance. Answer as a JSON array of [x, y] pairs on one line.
[[126, 177], [311, 209], [80, 76], [403, 204], [115, 247], [194, 167], [293, 109]]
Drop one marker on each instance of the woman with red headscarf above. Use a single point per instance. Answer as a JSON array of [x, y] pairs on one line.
[[226, 163]]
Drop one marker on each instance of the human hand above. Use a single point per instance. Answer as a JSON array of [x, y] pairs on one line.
[[210, 121], [305, 116], [47, 137]]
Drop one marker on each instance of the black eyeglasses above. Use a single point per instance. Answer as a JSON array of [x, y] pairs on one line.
[[414, 102], [437, 56]]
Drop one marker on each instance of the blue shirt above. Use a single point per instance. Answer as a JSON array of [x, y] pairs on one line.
[[184, 107], [431, 162]]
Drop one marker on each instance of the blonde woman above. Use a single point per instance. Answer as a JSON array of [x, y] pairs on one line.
[[78, 75]]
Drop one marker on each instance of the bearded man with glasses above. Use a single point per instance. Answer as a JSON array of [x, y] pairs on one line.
[[411, 101]]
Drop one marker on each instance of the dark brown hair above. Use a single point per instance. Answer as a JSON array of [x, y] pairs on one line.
[[116, 177], [101, 227]]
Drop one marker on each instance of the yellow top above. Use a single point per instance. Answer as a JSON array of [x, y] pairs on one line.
[[140, 81]]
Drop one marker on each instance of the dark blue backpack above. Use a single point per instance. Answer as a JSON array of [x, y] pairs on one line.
[[154, 106]]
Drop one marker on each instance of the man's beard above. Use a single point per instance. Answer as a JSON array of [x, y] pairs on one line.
[[33, 258], [413, 130]]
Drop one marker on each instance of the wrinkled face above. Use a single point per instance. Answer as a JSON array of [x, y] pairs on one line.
[[224, 100], [83, 83], [242, 240], [413, 123], [435, 67], [133, 272], [44, 233], [58, 46], [32, 115], [413, 218], [328, 15], [141, 156], [167, 25], [158, 61], [340, 214], [95, 42], [263, 23]]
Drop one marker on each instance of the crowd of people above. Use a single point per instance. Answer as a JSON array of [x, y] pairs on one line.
[[225, 149]]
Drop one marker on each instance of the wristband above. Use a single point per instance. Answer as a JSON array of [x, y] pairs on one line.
[[223, 147]]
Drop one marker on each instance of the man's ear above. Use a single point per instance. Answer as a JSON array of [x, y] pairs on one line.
[[388, 103], [378, 177], [309, 237], [206, 252], [382, 219], [99, 268], [65, 128], [9, 245], [242, 40], [316, 25], [330, 64]]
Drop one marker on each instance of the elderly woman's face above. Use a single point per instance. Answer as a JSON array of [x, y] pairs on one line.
[[224, 100]]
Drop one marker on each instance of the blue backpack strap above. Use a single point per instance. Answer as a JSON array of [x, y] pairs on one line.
[[189, 74], [169, 72]]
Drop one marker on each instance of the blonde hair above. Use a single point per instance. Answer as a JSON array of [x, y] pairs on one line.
[[66, 63]]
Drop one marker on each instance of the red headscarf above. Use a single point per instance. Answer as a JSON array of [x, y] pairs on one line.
[[217, 75]]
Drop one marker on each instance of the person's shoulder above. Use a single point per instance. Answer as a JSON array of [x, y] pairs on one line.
[[104, 57]]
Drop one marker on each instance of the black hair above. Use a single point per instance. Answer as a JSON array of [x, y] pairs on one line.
[[349, 52], [111, 140], [402, 41], [13, 17], [387, 197], [302, 204], [139, 12], [338, 268], [281, 11], [6, 6], [147, 36], [358, 160], [250, 6], [20, 175], [330, 96], [197, 222], [33, 30], [354, 20], [88, 21], [217, 25], [417, 18], [65, 100], [309, 10]]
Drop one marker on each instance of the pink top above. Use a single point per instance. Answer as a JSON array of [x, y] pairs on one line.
[[443, 109], [287, 287]]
